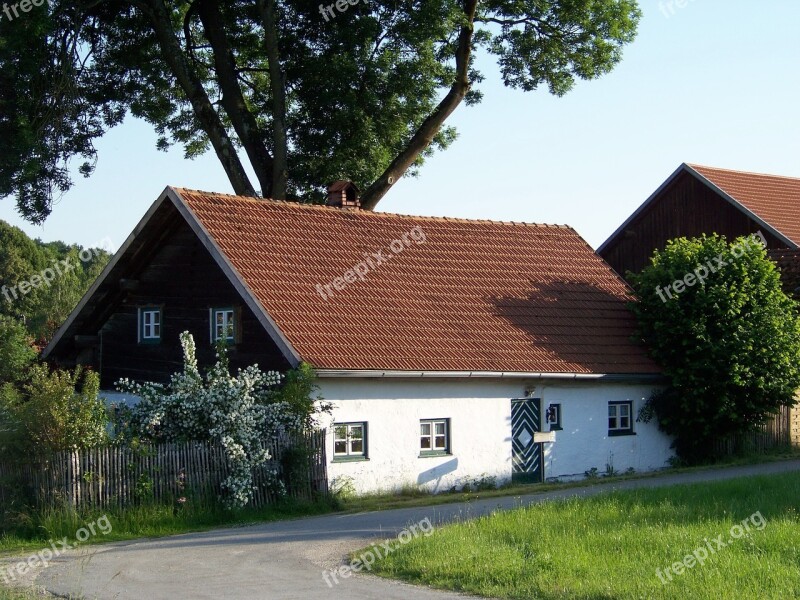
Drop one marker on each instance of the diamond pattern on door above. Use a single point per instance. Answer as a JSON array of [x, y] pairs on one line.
[[526, 455]]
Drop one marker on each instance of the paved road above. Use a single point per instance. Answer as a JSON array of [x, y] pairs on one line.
[[285, 560]]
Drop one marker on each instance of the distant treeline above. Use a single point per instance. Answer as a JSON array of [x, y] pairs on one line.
[[40, 283]]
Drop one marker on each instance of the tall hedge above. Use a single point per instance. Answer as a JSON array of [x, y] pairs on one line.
[[715, 318]]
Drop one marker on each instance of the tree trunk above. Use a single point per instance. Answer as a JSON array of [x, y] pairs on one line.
[[243, 121], [193, 88], [280, 168]]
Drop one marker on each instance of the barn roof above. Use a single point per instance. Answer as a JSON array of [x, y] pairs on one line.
[[772, 201], [362, 291]]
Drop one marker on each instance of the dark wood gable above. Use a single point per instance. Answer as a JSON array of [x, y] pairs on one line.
[[166, 266], [686, 207]]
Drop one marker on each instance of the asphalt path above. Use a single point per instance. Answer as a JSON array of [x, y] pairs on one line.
[[288, 560]]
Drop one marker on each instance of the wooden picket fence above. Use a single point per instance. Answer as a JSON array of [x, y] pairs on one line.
[[164, 473], [781, 431]]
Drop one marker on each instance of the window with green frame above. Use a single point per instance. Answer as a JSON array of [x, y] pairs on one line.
[[223, 325], [434, 437], [349, 441], [150, 318], [553, 415]]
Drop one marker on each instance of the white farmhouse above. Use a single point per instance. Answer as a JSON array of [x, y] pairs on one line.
[[453, 350]]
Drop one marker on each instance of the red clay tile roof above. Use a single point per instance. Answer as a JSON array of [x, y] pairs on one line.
[[774, 199], [475, 296]]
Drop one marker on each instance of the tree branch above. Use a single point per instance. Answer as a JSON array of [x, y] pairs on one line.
[[243, 121], [193, 88], [433, 123]]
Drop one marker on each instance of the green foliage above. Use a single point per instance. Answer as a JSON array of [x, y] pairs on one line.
[[45, 118], [300, 391], [51, 412], [45, 306], [730, 345], [357, 86], [16, 352]]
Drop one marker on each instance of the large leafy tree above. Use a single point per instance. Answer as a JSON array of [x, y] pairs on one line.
[[728, 338], [303, 93]]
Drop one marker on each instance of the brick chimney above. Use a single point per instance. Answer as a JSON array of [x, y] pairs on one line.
[[343, 194]]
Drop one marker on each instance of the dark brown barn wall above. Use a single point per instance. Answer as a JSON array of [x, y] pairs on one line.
[[183, 277], [687, 208]]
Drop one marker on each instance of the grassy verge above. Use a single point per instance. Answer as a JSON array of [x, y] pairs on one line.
[[413, 496], [31, 531], [11, 594], [25, 531], [610, 546]]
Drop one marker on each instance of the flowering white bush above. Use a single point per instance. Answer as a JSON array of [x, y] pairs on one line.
[[238, 412]]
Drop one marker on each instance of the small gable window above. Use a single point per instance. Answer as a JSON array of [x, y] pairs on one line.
[[149, 325], [224, 325]]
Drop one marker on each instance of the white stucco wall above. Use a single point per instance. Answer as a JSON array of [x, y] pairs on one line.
[[480, 418], [584, 441]]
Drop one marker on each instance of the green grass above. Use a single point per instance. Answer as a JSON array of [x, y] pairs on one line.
[[413, 496], [609, 546], [17, 594], [29, 531], [23, 531]]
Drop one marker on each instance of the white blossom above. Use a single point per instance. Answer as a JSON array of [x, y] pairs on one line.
[[234, 411]]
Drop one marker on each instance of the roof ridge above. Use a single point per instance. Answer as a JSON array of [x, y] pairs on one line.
[[322, 207], [789, 177]]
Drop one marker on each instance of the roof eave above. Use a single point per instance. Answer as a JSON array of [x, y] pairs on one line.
[[393, 374], [105, 272]]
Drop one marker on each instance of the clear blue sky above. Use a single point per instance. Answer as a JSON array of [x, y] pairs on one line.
[[715, 83]]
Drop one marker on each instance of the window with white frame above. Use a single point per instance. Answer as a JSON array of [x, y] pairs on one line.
[[349, 440], [149, 324], [620, 421], [434, 436], [223, 325]]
